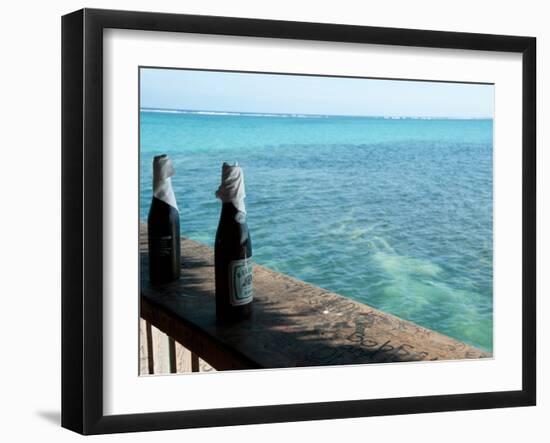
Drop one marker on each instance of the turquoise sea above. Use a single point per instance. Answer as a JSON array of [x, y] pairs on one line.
[[395, 213]]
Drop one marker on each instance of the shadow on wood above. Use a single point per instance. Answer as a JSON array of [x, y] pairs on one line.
[[293, 324]]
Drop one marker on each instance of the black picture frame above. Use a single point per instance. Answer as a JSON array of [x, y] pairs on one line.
[[82, 218]]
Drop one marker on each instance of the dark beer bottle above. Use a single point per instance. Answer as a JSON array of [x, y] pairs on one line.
[[233, 250], [163, 225]]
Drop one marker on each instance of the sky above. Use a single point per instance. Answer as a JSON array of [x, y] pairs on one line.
[[295, 94]]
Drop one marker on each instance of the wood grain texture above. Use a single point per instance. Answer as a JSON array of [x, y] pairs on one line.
[[143, 351], [151, 358], [293, 323]]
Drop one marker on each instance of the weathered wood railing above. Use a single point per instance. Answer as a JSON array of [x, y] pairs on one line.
[[161, 354], [293, 323]]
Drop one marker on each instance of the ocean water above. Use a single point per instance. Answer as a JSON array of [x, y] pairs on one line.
[[395, 213]]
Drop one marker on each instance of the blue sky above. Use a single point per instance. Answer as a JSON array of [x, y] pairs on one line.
[[294, 94]]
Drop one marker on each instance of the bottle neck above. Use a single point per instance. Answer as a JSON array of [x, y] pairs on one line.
[[229, 210], [231, 189], [232, 214], [162, 184], [162, 189]]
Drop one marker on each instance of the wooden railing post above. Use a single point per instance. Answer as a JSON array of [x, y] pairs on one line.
[[194, 362]]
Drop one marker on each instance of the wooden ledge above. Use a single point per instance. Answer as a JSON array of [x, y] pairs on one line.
[[293, 323]]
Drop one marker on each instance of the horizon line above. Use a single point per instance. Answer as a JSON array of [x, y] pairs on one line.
[[300, 114]]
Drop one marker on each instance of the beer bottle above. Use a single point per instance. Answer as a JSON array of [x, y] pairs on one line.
[[233, 250], [163, 225]]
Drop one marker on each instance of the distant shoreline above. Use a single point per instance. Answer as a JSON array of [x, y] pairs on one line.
[[297, 115]]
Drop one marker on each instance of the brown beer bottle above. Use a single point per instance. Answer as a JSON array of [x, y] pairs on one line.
[[163, 225], [233, 250]]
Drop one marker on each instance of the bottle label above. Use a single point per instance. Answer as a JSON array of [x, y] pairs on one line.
[[240, 282], [161, 246]]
